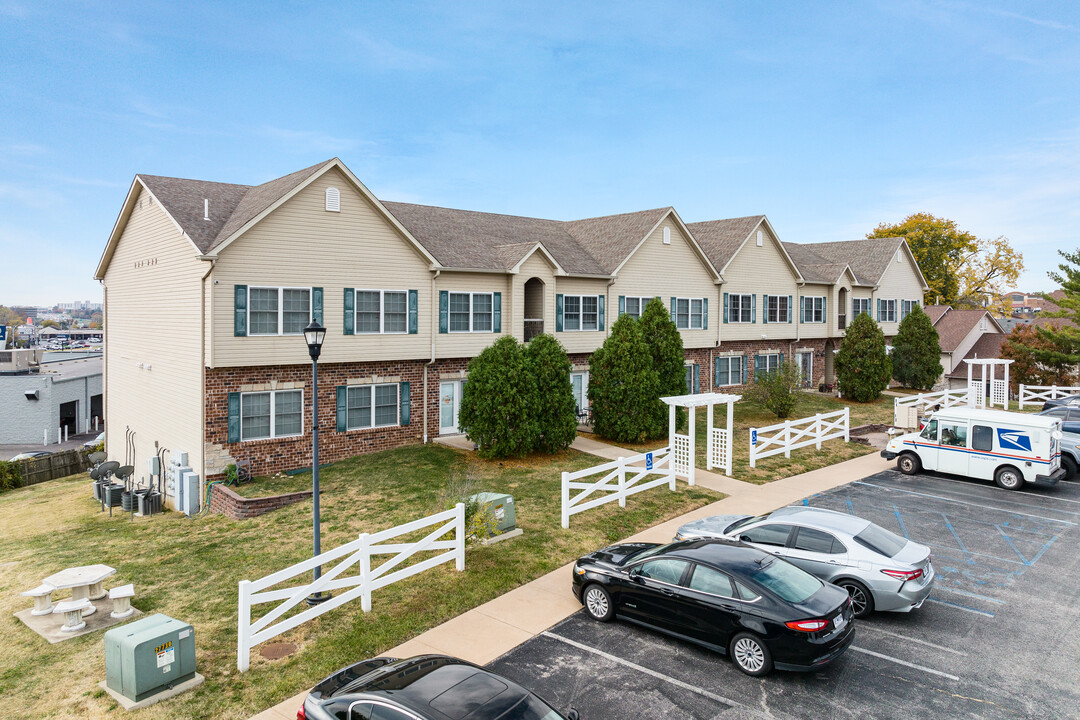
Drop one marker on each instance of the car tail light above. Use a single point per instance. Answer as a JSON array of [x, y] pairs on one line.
[[807, 625], [904, 574], [300, 714]]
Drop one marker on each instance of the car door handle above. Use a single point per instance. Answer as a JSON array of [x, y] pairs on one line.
[[669, 593]]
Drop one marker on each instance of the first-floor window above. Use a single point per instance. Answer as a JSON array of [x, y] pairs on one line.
[[370, 406], [776, 309], [581, 312], [813, 310], [860, 305], [271, 414], [729, 370], [767, 363], [740, 308], [886, 310]]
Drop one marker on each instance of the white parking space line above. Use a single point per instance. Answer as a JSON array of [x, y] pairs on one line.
[[647, 671], [1011, 492], [905, 663], [965, 593], [863, 627], [958, 606], [965, 502]]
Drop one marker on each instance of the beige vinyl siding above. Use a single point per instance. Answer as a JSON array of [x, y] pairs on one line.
[[300, 244], [153, 290], [666, 271], [900, 281], [585, 340], [757, 271], [470, 344], [542, 305], [816, 330], [836, 307]]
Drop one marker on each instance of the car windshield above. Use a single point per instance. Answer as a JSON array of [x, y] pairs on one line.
[[741, 523], [648, 552], [531, 708], [789, 582], [880, 540]]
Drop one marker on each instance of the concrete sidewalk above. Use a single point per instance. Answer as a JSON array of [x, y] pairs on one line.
[[499, 625]]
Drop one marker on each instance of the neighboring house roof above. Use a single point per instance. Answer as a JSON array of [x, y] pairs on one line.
[[955, 325], [936, 311], [986, 347]]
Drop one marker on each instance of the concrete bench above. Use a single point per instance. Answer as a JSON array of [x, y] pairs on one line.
[[73, 609], [121, 597], [42, 595]]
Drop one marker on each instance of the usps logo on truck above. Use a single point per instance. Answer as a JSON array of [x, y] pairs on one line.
[[1014, 440]]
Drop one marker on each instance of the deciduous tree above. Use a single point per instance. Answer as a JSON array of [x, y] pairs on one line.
[[916, 356], [778, 391], [863, 366], [1023, 346]]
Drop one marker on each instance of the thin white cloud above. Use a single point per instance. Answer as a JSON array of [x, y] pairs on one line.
[[35, 198], [311, 141], [384, 54], [1025, 18]]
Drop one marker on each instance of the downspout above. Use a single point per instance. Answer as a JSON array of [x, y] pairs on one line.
[[434, 300], [204, 491], [607, 304]]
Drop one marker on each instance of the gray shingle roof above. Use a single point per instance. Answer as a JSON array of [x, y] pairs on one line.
[[720, 239], [868, 258], [986, 347], [611, 239]]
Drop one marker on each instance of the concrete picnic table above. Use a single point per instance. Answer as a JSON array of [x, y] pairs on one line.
[[84, 581]]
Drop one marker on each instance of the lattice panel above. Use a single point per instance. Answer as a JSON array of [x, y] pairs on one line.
[[997, 392], [721, 448], [977, 387], [680, 455]]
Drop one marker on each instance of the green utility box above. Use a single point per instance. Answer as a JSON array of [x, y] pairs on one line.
[[502, 505], [149, 656]]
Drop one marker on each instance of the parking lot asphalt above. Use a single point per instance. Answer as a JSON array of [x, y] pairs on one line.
[[997, 638]]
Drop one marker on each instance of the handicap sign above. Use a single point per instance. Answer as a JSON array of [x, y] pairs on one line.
[[648, 461], [753, 437]]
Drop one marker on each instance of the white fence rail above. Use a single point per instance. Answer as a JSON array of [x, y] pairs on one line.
[[361, 583], [794, 434], [906, 410], [619, 479], [1038, 394]]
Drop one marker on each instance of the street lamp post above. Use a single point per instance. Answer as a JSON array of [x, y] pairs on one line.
[[314, 334]]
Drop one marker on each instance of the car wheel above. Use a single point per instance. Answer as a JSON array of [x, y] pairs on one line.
[[750, 655], [908, 463], [1070, 467], [1009, 478], [862, 602], [597, 603]]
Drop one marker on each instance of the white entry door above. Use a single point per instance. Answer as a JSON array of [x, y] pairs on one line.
[[449, 406], [806, 367]]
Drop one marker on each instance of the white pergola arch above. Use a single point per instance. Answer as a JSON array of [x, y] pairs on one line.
[[718, 440], [999, 388]]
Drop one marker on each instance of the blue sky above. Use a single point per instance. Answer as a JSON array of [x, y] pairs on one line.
[[828, 117]]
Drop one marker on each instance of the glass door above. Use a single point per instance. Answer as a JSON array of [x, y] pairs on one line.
[[449, 406], [806, 368]]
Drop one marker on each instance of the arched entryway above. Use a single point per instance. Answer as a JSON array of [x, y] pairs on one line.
[[534, 308], [842, 309]]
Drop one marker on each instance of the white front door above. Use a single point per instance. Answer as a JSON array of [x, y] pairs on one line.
[[580, 383], [806, 367], [449, 406]]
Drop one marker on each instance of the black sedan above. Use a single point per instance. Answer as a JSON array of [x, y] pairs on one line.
[[425, 687], [727, 596]]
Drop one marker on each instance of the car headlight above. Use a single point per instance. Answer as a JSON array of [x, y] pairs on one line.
[[578, 570], [679, 536]]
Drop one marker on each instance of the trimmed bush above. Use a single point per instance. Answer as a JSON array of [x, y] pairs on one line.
[[778, 391], [863, 367], [916, 355], [624, 387], [10, 477], [498, 402], [555, 408], [666, 347]]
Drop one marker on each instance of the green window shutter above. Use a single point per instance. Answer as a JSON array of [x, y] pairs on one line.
[[239, 310], [673, 311], [725, 308], [716, 372], [802, 309], [444, 311], [790, 309], [781, 358], [414, 301], [742, 368], [405, 403], [753, 308], [622, 304], [880, 309], [600, 311], [496, 314], [234, 417], [704, 313], [350, 313], [697, 380], [342, 412], [558, 312], [316, 304], [824, 309], [896, 313], [765, 309]]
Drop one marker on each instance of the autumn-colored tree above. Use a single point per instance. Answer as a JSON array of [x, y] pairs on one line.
[[960, 268], [1023, 346]]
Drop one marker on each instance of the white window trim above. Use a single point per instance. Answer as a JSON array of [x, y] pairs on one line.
[[869, 307], [643, 300], [373, 426], [449, 327], [581, 314], [280, 308], [787, 309], [690, 313], [728, 359], [774, 355], [812, 309], [382, 312], [749, 305], [584, 387], [886, 315], [273, 415]]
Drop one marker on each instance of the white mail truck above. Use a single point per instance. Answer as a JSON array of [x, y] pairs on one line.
[[1009, 448]]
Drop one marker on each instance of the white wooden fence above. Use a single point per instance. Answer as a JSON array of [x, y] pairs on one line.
[[619, 479], [360, 584], [1038, 394], [906, 410], [794, 434]]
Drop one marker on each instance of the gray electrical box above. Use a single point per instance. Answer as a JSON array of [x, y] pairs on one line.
[[502, 506], [149, 656]]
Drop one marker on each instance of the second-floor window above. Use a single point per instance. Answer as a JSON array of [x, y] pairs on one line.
[[740, 308], [271, 414], [905, 308], [581, 312], [813, 310], [278, 310], [689, 313], [886, 310], [777, 309], [635, 306], [470, 312], [382, 311], [860, 305]]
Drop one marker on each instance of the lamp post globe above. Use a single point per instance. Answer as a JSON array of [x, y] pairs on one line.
[[314, 334]]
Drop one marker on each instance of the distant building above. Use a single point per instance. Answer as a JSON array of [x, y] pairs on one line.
[[39, 400]]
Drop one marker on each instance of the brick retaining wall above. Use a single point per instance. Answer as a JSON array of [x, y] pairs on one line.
[[226, 502]]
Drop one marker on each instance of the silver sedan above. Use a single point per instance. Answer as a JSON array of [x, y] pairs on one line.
[[879, 569]]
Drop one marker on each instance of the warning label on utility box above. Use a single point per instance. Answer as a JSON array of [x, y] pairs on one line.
[[165, 654]]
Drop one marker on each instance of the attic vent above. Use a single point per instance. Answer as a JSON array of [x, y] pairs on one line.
[[897, 255], [667, 236], [205, 209], [333, 200], [760, 239]]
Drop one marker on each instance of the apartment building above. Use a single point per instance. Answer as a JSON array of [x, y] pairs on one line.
[[410, 293]]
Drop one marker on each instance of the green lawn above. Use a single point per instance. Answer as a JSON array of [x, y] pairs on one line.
[[189, 569]]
